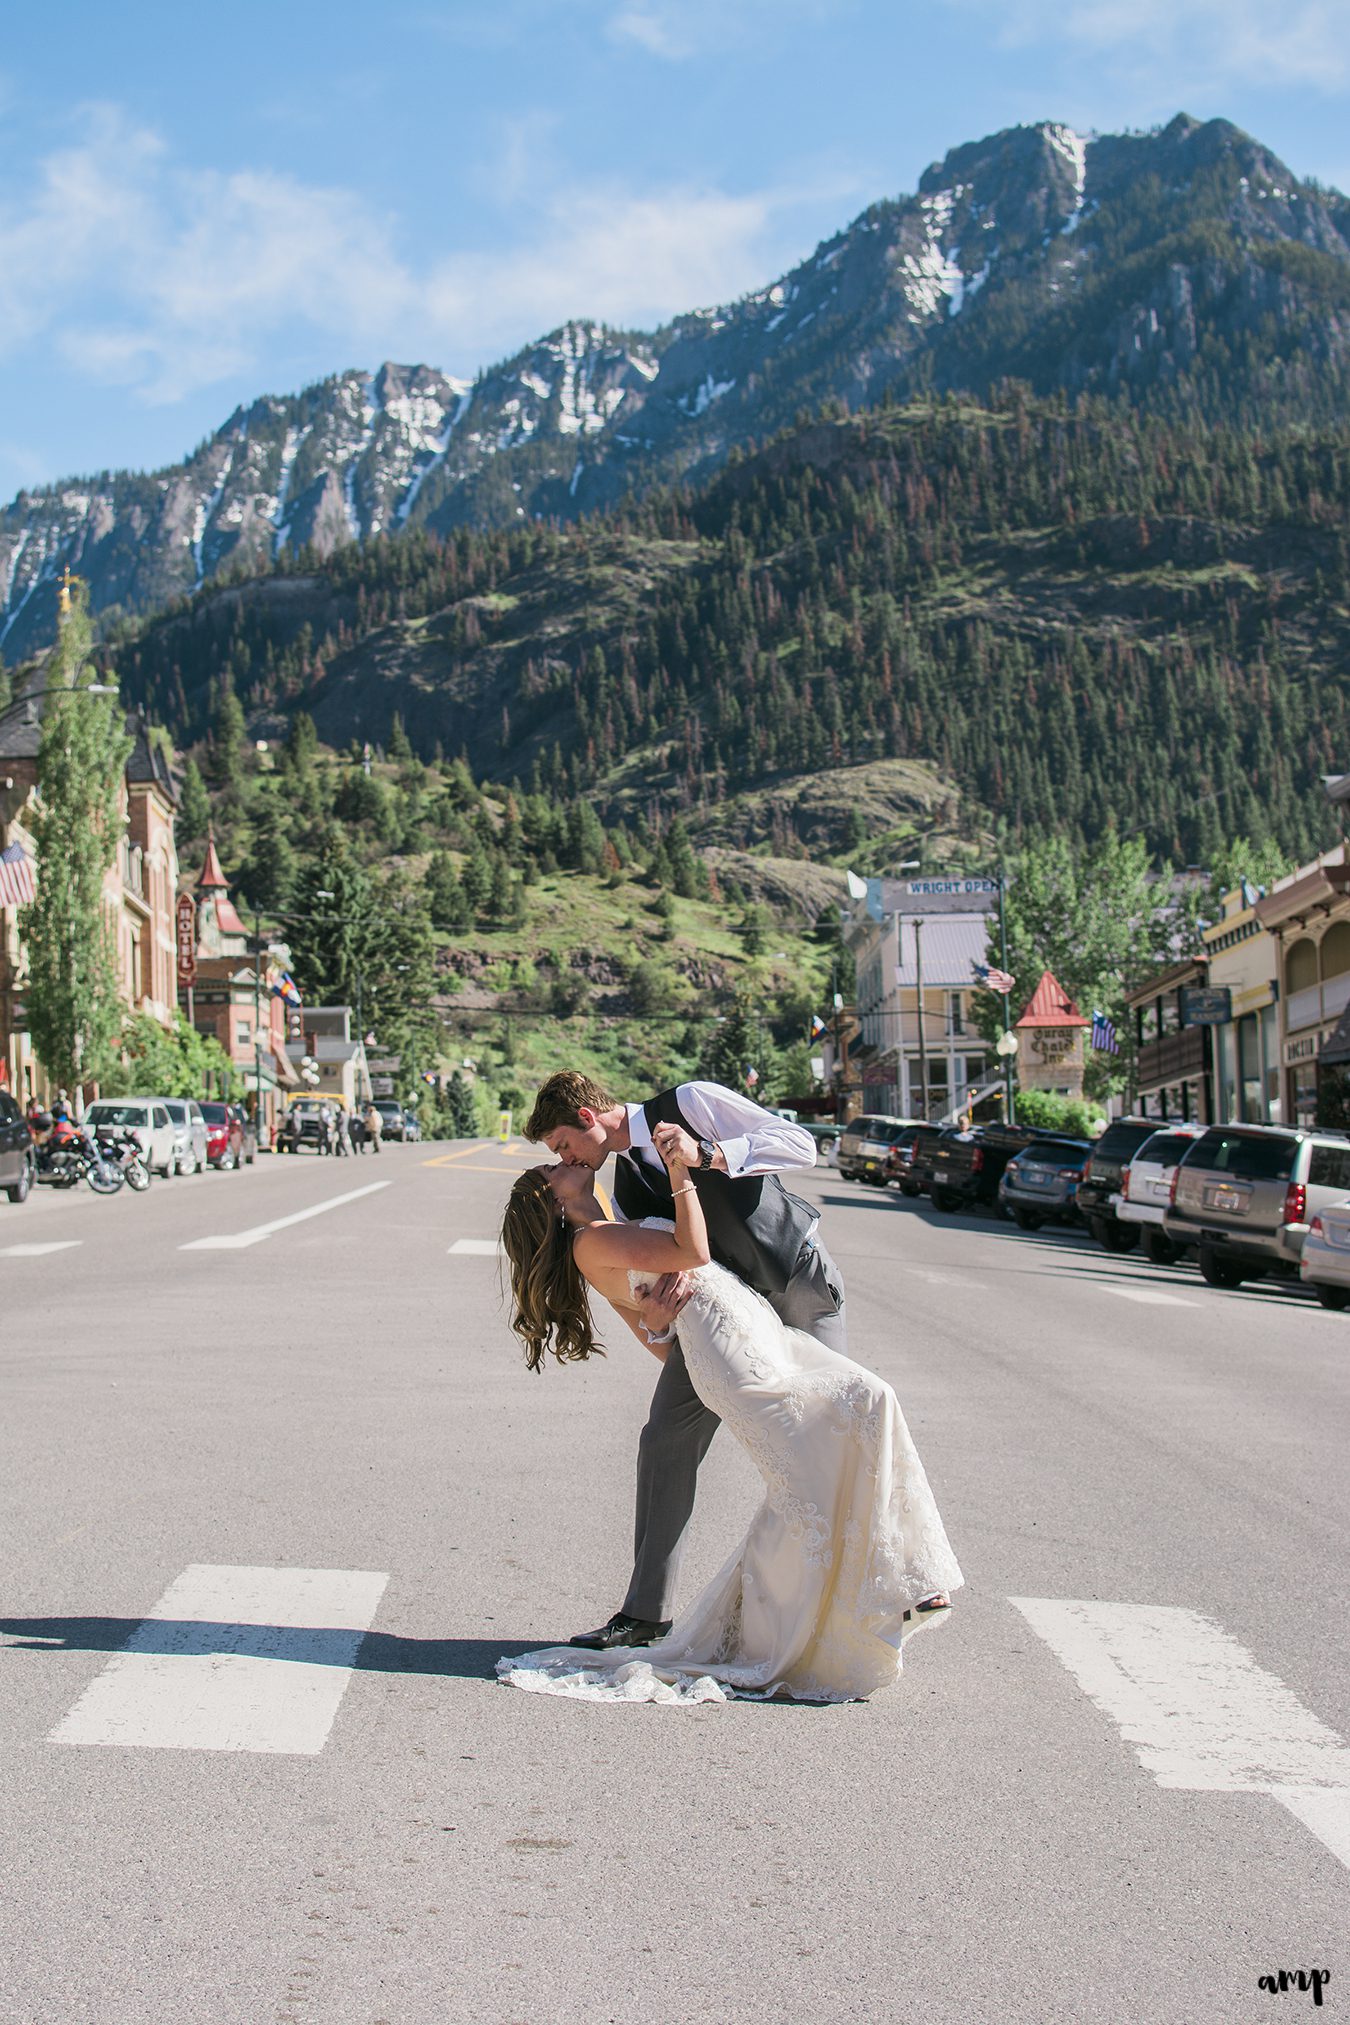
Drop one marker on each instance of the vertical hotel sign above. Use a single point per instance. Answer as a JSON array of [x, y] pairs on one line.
[[187, 939]]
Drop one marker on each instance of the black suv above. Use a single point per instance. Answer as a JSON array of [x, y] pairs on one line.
[[1111, 1155]]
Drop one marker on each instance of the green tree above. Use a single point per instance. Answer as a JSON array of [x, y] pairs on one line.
[[74, 1015], [399, 747], [194, 807], [446, 898], [228, 731], [457, 1103], [270, 870], [732, 1047]]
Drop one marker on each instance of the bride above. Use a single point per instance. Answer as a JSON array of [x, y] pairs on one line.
[[846, 1555]]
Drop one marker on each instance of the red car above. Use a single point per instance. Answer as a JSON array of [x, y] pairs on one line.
[[224, 1136]]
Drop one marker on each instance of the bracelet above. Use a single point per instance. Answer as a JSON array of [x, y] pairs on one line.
[[668, 1337], [688, 1189]]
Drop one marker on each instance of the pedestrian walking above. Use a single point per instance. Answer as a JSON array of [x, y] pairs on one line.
[[374, 1127], [358, 1131], [325, 1128], [342, 1144]]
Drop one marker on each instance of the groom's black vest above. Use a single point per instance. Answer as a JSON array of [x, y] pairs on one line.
[[755, 1228]]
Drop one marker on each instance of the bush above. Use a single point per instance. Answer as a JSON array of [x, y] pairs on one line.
[[1044, 1112]]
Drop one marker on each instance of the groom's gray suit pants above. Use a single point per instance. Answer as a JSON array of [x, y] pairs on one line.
[[680, 1427]]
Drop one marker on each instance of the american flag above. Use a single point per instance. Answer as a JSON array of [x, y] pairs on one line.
[[1104, 1035], [18, 887], [994, 980]]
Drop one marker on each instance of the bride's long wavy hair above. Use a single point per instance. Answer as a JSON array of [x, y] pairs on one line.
[[551, 1310]]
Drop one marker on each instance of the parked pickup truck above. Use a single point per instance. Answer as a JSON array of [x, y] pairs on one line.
[[966, 1166]]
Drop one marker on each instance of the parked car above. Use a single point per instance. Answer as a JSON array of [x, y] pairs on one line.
[[147, 1118], [864, 1144], [248, 1133], [966, 1167], [907, 1158], [224, 1137], [1325, 1265], [1101, 1180], [1146, 1189], [1244, 1194], [394, 1116], [1039, 1185], [18, 1162], [189, 1132]]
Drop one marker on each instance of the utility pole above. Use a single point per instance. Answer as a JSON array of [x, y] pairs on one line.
[[923, 1045], [1009, 1101], [257, 1024]]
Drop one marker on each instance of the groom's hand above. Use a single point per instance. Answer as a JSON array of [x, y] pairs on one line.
[[665, 1300]]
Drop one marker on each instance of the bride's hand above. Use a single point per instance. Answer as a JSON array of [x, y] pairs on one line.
[[675, 1147]]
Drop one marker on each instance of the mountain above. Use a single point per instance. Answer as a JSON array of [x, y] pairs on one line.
[[1185, 270], [1060, 613]]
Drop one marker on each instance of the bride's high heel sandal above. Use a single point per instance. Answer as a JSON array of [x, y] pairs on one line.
[[929, 1610]]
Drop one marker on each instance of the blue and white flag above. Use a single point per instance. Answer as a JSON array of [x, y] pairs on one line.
[[1104, 1037]]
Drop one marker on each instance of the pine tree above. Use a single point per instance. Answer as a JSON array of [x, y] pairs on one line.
[[227, 738], [74, 1015], [194, 807]]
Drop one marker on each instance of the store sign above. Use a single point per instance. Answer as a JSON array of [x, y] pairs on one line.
[[924, 887], [1304, 1049], [187, 939], [1205, 1005]]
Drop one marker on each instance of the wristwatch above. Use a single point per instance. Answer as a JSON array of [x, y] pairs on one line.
[[706, 1150]]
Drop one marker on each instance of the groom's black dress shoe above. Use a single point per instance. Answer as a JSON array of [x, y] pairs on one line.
[[621, 1630]]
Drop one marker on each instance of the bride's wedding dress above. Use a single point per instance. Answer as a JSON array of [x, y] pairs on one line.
[[848, 1538]]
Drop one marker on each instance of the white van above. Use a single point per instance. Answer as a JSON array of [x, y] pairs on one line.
[[146, 1118]]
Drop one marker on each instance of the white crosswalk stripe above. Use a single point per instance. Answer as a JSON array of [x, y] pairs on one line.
[[1151, 1297], [233, 1659], [481, 1248], [1201, 1713], [39, 1251], [241, 1239]]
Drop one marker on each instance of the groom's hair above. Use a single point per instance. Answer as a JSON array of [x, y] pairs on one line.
[[559, 1102]]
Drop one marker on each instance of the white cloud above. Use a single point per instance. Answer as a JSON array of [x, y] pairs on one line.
[[1178, 48], [141, 273], [674, 29], [649, 30]]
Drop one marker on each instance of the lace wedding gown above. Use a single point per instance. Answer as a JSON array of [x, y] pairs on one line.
[[812, 1602]]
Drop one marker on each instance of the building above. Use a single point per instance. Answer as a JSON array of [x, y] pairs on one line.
[[915, 945], [231, 998], [1172, 1064], [1246, 1079], [344, 1075], [1308, 916], [1050, 1033], [139, 887]]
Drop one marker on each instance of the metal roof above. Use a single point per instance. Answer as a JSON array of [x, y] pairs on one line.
[[952, 946]]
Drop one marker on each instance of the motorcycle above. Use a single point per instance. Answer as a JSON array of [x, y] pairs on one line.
[[123, 1150], [70, 1154]]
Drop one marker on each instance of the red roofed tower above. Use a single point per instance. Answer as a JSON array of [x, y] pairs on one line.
[[1051, 1031], [220, 932]]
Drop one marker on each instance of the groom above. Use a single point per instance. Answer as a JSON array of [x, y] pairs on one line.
[[767, 1237]]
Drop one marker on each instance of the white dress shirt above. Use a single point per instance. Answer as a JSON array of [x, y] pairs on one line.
[[751, 1139]]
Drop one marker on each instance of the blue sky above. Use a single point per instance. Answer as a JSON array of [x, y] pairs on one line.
[[198, 206]]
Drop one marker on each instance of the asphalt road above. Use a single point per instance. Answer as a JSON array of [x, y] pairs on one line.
[[1122, 1796]]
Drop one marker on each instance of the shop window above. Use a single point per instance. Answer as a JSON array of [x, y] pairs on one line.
[[1300, 966], [1335, 951]]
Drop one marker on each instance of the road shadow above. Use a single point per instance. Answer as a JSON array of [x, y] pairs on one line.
[[368, 1652]]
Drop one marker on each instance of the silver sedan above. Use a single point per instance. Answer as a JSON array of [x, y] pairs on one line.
[[1326, 1256]]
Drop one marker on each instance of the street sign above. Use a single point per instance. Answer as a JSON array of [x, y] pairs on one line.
[[187, 939], [1205, 1005]]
